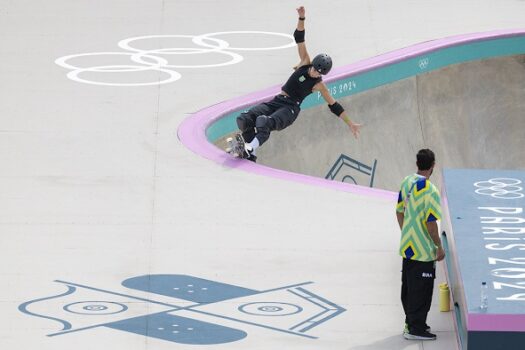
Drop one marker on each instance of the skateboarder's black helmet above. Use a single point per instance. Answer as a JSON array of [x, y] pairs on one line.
[[322, 63]]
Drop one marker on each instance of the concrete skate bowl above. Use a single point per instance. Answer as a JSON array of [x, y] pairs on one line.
[[463, 97]]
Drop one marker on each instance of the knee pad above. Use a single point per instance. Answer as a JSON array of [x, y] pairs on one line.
[[262, 122], [244, 122]]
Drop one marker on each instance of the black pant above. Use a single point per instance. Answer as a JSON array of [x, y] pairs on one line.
[[281, 112], [417, 279]]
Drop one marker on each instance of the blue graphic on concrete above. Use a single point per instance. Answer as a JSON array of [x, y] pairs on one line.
[[179, 329], [95, 308], [189, 288], [184, 308], [348, 163], [270, 309], [65, 325]]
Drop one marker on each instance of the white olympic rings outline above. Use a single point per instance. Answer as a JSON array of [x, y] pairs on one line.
[[500, 187], [236, 58], [76, 71], [151, 60]]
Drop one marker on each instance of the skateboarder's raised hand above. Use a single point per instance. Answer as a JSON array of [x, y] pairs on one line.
[[301, 46], [301, 11]]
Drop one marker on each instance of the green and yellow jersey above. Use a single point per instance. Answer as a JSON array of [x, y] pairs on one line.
[[420, 202]]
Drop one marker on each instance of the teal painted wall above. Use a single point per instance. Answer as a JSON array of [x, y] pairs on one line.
[[401, 70]]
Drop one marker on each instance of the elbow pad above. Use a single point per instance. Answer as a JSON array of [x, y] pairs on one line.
[[298, 36], [336, 108]]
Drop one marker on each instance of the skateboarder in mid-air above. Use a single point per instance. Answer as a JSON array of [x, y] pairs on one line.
[[279, 113]]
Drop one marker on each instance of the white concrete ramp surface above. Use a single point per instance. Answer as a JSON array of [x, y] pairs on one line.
[[115, 235]]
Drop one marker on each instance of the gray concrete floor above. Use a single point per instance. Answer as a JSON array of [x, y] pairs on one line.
[[95, 188]]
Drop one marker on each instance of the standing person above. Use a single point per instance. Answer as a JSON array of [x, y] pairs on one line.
[[418, 210], [279, 113]]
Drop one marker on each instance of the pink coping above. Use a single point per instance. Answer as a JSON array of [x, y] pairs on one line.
[[192, 131]]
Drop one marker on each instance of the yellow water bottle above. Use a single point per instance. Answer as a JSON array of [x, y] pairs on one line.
[[444, 297]]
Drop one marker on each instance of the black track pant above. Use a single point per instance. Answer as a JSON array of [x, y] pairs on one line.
[[417, 279], [281, 112]]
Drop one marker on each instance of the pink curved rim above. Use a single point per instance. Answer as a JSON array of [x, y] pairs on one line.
[[192, 131]]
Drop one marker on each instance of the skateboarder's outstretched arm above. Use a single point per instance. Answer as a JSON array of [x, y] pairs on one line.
[[299, 38], [336, 108]]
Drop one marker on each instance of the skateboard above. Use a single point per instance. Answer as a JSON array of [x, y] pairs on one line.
[[235, 146]]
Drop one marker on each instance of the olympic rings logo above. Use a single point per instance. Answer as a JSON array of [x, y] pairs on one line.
[[501, 187], [144, 60], [423, 63]]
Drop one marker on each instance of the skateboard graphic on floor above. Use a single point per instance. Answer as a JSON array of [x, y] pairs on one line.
[[185, 309]]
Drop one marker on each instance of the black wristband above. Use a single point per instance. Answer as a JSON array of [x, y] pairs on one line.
[[336, 108], [302, 18]]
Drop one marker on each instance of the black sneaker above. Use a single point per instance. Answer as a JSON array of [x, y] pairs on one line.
[[427, 328], [422, 336]]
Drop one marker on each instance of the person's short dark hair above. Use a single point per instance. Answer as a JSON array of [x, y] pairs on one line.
[[425, 159]]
